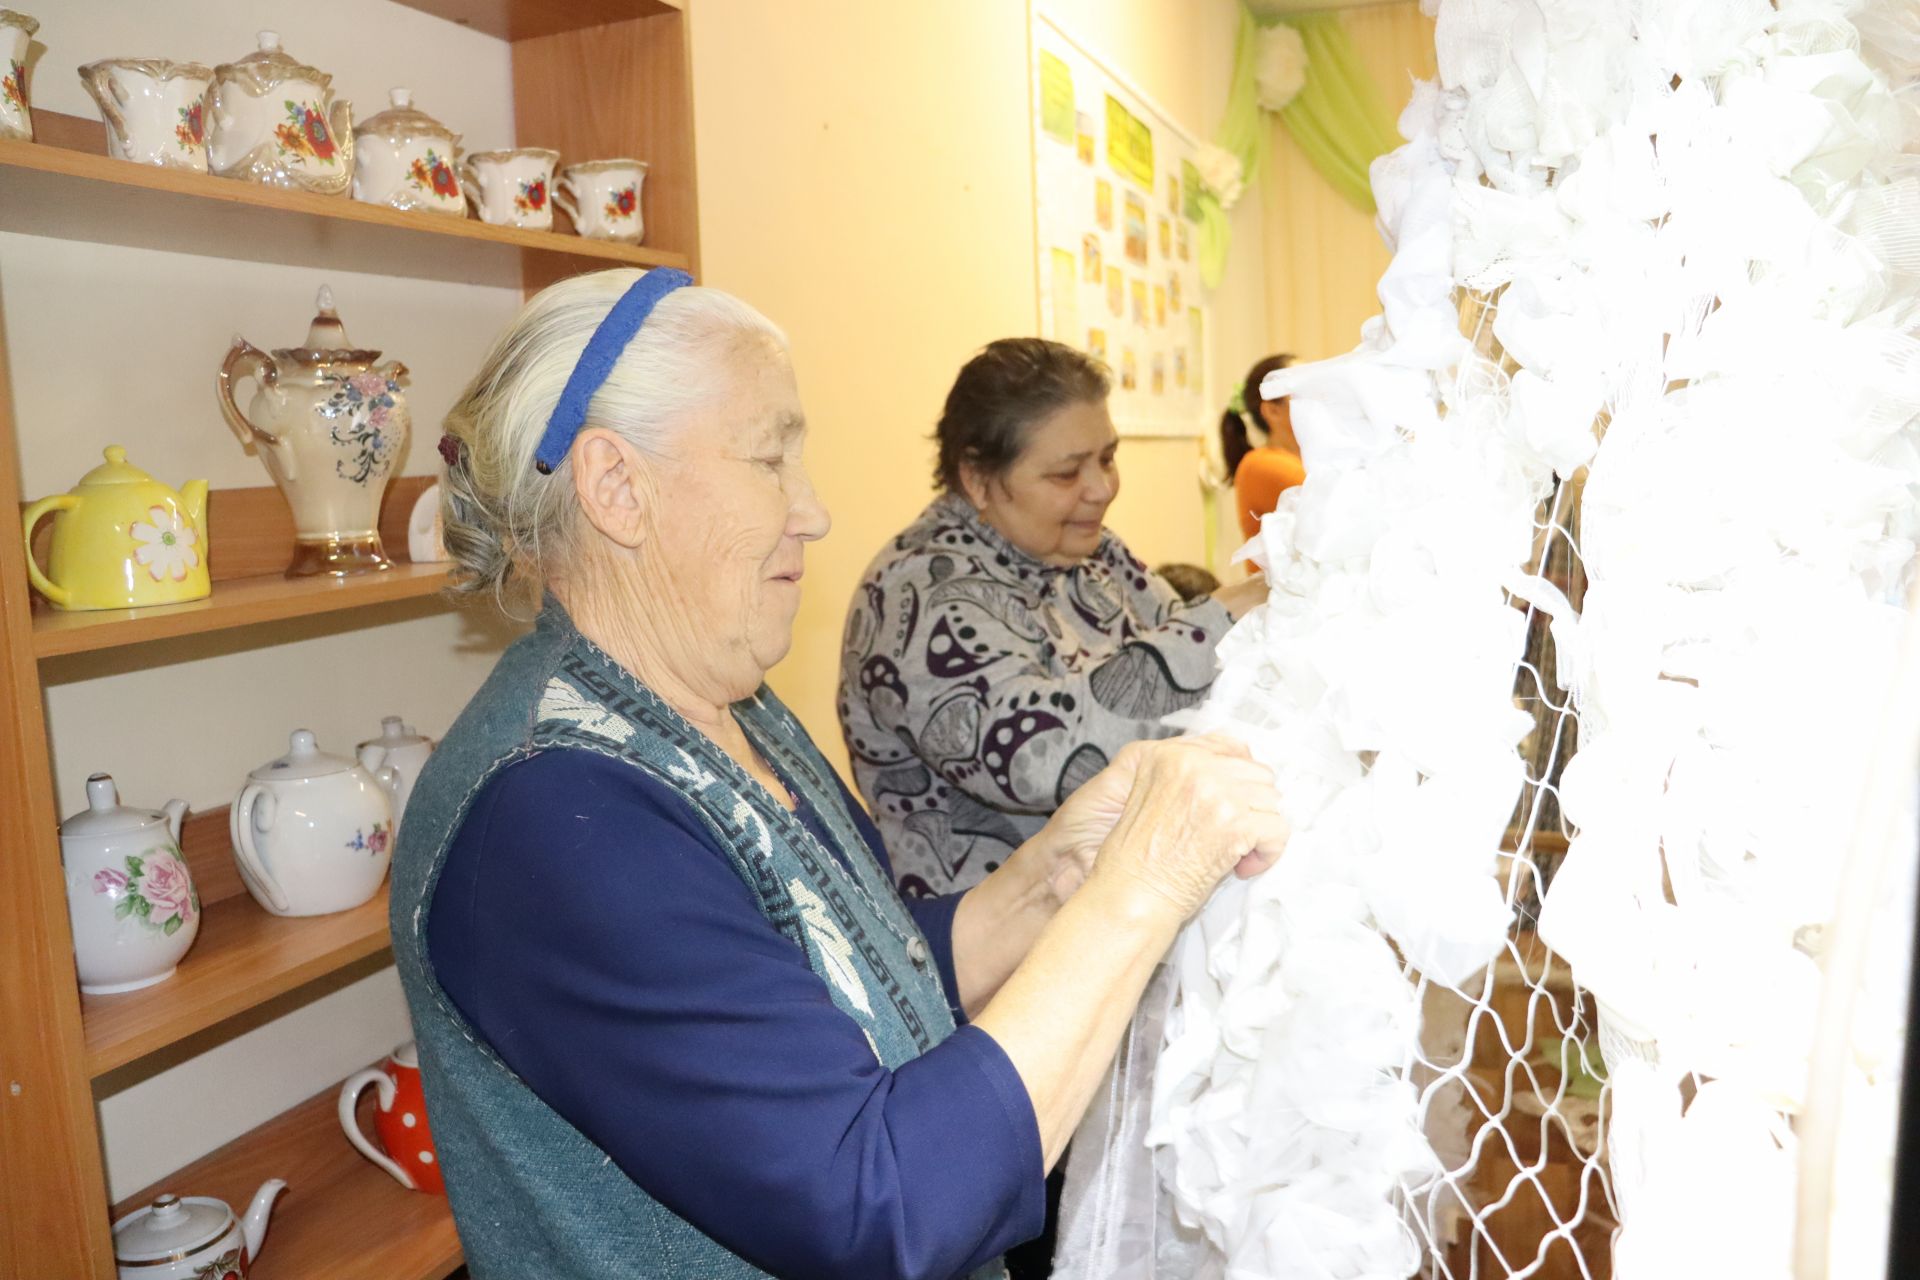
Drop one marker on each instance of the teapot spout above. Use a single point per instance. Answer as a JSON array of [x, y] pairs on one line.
[[176, 810], [253, 1224], [193, 496]]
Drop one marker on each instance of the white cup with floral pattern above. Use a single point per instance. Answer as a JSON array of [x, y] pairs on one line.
[[512, 188], [16, 33], [603, 199], [130, 897]]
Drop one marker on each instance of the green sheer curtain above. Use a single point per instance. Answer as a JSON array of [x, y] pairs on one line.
[[1338, 119]]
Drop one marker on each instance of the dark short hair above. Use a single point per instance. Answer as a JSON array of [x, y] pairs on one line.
[[1001, 395], [1234, 443]]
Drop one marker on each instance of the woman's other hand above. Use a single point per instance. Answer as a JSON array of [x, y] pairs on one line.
[[1196, 808], [1242, 598]]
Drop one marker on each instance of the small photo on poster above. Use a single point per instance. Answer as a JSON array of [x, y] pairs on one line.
[[1083, 137], [1159, 307], [1166, 237], [1173, 194], [1136, 228], [1173, 293], [1116, 292], [1180, 236], [1180, 368], [1090, 258], [1129, 370], [1097, 344], [1103, 204], [1140, 303], [1159, 383]]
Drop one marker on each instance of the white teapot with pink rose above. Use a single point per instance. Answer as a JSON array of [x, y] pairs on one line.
[[130, 897]]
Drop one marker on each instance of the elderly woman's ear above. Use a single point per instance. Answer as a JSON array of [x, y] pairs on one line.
[[614, 485]]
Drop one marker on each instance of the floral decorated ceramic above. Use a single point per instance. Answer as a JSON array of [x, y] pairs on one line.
[[405, 158], [121, 540], [130, 897], [193, 1237], [16, 33], [512, 188], [331, 426], [276, 121], [313, 833], [155, 110], [406, 1145], [603, 199], [401, 749]]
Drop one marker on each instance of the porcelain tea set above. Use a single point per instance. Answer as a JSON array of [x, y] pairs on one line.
[[270, 118]]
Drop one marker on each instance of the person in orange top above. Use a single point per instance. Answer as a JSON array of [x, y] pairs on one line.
[[1263, 465]]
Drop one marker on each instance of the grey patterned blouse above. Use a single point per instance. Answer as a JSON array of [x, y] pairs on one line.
[[980, 686]]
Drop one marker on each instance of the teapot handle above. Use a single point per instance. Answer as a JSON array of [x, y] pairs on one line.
[[254, 796], [470, 184], [563, 193], [349, 1098], [244, 360], [340, 120], [29, 518], [98, 81]]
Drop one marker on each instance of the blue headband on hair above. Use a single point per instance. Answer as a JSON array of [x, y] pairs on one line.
[[597, 361]]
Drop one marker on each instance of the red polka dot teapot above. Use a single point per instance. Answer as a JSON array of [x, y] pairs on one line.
[[400, 1121]]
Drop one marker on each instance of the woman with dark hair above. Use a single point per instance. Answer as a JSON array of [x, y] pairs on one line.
[[1258, 445], [1005, 646]]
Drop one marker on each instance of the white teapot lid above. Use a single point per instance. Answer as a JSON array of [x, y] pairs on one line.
[[105, 815], [304, 759], [170, 1226], [395, 733]]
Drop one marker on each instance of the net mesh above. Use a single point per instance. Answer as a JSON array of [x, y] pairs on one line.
[[1510, 1065]]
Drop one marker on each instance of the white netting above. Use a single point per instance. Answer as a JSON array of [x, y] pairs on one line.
[[1583, 631]]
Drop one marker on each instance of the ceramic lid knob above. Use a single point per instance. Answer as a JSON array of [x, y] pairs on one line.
[[302, 745], [166, 1208], [401, 98], [102, 797], [392, 727], [270, 40], [326, 333]]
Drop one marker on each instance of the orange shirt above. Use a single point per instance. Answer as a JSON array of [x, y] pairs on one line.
[[1264, 475]]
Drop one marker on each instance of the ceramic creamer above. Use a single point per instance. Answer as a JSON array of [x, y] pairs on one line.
[[16, 33], [603, 199], [155, 110], [512, 188]]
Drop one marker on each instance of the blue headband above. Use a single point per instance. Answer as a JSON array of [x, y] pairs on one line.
[[597, 361]]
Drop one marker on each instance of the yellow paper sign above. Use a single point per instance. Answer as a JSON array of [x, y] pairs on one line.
[[1129, 144], [1056, 98]]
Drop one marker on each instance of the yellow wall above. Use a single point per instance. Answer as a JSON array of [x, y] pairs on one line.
[[1324, 256], [866, 180]]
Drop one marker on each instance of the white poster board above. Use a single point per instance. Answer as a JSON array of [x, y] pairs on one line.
[[1116, 240]]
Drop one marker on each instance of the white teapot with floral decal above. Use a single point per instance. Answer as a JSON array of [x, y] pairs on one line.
[[130, 897], [275, 120], [313, 833], [193, 1237], [331, 426]]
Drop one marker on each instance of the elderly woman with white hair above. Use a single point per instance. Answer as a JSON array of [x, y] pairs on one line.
[[673, 1019]]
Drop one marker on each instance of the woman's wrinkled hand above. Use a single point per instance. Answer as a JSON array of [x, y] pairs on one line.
[[1147, 786], [1194, 809]]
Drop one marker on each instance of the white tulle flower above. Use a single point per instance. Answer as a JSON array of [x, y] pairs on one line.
[[1280, 66], [1220, 170]]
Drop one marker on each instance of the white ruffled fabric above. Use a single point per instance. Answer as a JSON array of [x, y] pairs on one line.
[[1705, 235], [1221, 173]]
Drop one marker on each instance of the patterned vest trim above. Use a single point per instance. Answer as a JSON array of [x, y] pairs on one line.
[[531, 1195]]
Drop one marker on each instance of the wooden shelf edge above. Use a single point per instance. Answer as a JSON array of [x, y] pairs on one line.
[[237, 602], [84, 166], [243, 958], [340, 1218]]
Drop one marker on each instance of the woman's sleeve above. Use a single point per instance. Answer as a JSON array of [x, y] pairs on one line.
[[973, 682], [604, 947]]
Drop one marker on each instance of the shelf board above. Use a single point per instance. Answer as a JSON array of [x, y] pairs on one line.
[[72, 191], [237, 602], [340, 1218], [530, 19], [243, 957]]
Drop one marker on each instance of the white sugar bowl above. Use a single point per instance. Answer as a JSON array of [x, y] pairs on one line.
[[130, 897], [405, 158], [313, 833], [401, 749]]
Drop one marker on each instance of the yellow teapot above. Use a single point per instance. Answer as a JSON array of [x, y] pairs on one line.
[[121, 540]]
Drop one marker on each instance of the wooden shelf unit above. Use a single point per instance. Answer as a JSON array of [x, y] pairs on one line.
[[342, 1217]]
